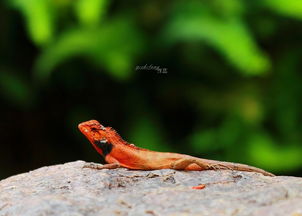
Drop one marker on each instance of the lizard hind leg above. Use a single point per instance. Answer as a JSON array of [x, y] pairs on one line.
[[188, 163], [197, 164]]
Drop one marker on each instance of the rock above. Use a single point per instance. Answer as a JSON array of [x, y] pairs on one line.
[[71, 190]]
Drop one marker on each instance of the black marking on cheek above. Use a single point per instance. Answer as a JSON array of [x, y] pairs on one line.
[[104, 145]]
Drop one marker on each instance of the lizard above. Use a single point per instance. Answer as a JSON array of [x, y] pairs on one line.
[[119, 153]]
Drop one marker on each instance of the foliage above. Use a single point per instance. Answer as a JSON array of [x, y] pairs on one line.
[[232, 91]]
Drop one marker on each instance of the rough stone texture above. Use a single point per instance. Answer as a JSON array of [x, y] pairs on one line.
[[71, 190]]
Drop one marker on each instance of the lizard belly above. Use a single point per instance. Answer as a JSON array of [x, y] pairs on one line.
[[143, 160]]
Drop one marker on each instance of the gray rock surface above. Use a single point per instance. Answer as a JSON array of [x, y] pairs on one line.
[[71, 190]]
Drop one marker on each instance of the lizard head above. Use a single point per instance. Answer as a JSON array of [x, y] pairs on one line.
[[98, 135]]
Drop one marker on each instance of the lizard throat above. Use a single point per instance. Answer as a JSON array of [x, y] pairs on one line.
[[105, 147]]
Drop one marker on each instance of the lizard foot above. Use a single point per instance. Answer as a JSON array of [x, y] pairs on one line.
[[218, 167]]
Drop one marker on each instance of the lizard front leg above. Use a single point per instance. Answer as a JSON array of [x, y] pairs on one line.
[[112, 164]]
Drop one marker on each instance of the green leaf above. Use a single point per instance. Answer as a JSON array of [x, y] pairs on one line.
[[227, 7], [264, 152], [39, 16], [249, 107], [287, 98], [90, 12], [146, 133], [223, 137], [292, 8], [230, 36], [204, 141], [106, 47]]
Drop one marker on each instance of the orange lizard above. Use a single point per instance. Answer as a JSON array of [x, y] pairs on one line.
[[119, 153]]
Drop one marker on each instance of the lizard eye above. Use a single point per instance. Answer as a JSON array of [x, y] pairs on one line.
[[94, 129]]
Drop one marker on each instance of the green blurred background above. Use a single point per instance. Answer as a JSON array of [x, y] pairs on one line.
[[231, 90]]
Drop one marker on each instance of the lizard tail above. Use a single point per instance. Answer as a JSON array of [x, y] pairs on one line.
[[217, 165]]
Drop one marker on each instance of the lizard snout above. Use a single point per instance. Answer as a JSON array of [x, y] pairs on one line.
[[91, 125]]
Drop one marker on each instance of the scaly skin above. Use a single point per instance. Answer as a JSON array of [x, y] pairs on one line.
[[119, 153]]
